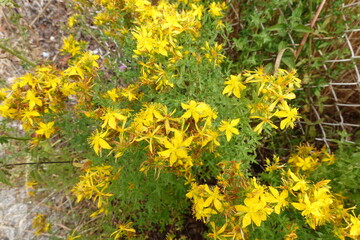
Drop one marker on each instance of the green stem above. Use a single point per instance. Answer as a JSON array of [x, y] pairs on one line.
[[17, 55], [34, 163], [17, 138]]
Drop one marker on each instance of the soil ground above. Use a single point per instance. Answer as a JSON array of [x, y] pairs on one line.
[[33, 29]]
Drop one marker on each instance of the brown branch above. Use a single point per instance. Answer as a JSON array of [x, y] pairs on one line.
[[40, 13], [279, 57], [303, 41]]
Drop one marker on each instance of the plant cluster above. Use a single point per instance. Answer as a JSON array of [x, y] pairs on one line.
[[36, 99], [176, 134]]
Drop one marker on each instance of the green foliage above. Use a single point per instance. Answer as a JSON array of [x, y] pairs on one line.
[[166, 126], [7, 3], [148, 200], [344, 173]]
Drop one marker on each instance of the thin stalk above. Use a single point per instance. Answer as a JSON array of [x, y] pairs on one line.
[[17, 138], [34, 163], [12, 52]]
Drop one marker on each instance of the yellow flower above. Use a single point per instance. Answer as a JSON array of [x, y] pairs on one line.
[[301, 184], [214, 198], [192, 110], [27, 116], [209, 136], [145, 40], [213, 53], [355, 227], [265, 120], [31, 188], [165, 118], [204, 208], [123, 231], [6, 111], [97, 141], [229, 128], [218, 234], [280, 199], [256, 211], [113, 94], [72, 20], [258, 76], [150, 137], [70, 45], [327, 157], [304, 163], [111, 117], [277, 92], [215, 9], [33, 100], [176, 147], [39, 223], [93, 185], [4, 92], [74, 71], [197, 10], [46, 129], [27, 78], [130, 92], [202, 212], [68, 89], [310, 208], [234, 86], [72, 236], [275, 166], [290, 115], [220, 25], [292, 235]]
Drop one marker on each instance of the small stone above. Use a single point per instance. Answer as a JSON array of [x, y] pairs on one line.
[[95, 51], [45, 54], [8, 198], [17, 212], [8, 233], [10, 80]]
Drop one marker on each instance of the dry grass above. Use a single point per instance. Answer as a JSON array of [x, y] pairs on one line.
[[34, 29]]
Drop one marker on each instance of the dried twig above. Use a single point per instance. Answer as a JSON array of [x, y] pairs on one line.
[[303, 41], [34, 163], [40, 13], [279, 57]]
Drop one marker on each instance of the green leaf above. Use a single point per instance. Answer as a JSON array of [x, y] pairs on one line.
[[297, 12], [312, 131], [289, 61], [269, 68], [282, 45], [278, 27], [240, 43], [8, 3], [34, 174], [302, 29], [306, 79], [251, 60], [3, 177], [4, 139]]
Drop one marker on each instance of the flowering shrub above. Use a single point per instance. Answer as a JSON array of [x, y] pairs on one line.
[[242, 202], [177, 133], [40, 225]]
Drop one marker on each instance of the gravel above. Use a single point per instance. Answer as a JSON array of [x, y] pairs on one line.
[[16, 214]]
